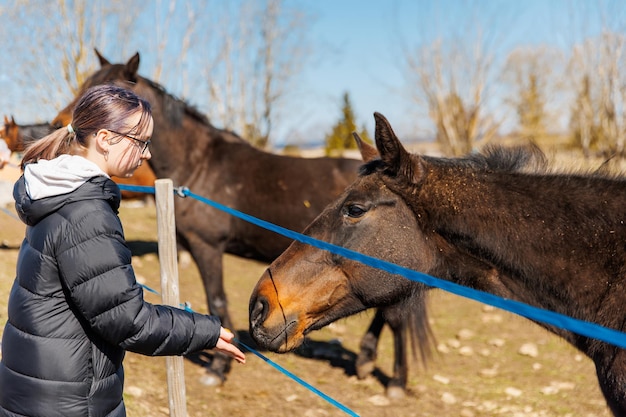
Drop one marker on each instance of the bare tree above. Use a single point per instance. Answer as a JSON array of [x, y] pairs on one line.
[[450, 72], [55, 55], [451, 79], [582, 117], [245, 54], [598, 118], [257, 51], [530, 75], [175, 24], [594, 78]]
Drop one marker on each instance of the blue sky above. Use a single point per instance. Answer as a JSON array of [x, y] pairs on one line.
[[363, 44], [358, 48]]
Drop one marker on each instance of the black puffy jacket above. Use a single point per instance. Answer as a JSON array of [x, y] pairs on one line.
[[75, 308]]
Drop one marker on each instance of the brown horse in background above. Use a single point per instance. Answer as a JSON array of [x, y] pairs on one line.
[[497, 222], [288, 191], [17, 136]]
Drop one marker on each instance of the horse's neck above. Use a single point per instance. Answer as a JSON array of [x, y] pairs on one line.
[[514, 221], [184, 139]]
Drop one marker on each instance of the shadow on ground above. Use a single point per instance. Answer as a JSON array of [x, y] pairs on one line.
[[331, 352]]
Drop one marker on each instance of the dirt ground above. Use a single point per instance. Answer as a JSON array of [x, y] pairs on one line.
[[486, 363]]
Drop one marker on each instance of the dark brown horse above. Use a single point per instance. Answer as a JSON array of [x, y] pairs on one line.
[[17, 136], [221, 166], [494, 221]]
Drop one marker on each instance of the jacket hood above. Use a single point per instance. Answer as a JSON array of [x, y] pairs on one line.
[[48, 185]]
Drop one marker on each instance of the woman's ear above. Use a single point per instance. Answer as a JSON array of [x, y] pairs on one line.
[[101, 141]]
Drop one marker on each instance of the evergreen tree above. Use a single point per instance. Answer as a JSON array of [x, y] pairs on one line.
[[340, 138]]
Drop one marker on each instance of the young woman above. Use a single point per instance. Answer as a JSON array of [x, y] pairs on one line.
[[75, 307]]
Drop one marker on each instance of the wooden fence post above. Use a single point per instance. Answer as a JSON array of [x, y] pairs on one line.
[[166, 225]]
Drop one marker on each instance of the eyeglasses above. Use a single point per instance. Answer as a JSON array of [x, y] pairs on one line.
[[143, 143]]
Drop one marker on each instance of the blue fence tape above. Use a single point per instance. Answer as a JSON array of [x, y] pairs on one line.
[[9, 213], [137, 188], [301, 381]]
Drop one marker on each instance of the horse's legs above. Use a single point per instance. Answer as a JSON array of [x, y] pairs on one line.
[[209, 261], [397, 384], [611, 371], [365, 361]]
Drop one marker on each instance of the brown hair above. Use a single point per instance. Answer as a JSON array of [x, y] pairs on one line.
[[105, 106]]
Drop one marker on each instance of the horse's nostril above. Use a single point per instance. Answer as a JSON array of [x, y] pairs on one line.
[[259, 311]]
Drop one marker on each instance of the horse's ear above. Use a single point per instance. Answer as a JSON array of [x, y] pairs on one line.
[[6, 119], [396, 158], [368, 152], [103, 61], [132, 67]]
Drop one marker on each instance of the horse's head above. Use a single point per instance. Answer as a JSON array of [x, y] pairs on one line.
[[307, 288], [124, 74], [174, 142], [11, 134]]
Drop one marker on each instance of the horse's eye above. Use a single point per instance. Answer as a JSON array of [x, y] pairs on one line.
[[354, 210]]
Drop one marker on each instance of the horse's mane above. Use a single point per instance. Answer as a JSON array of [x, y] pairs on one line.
[[529, 159], [526, 159], [176, 108]]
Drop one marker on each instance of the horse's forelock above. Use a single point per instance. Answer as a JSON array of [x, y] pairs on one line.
[[410, 170], [371, 167]]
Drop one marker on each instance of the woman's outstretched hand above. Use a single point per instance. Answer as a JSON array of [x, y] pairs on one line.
[[225, 345]]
